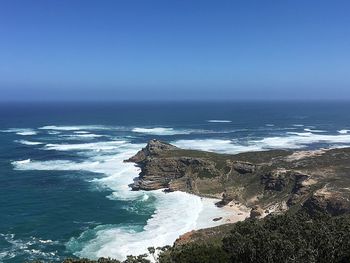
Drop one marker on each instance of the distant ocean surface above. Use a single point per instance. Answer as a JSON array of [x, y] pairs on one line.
[[64, 187]]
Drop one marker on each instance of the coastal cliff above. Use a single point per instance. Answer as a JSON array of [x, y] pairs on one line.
[[267, 181]]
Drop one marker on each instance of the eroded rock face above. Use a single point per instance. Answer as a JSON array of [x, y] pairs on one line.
[[158, 171], [153, 148], [275, 180], [256, 212], [244, 167], [301, 189], [330, 201]]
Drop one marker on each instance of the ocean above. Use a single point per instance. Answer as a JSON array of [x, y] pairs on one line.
[[64, 186]]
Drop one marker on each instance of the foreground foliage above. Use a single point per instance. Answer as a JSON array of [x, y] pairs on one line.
[[284, 238]]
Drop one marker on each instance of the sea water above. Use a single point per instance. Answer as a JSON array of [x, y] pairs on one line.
[[64, 186]]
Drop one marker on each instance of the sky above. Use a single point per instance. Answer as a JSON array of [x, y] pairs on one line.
[[82, 50]]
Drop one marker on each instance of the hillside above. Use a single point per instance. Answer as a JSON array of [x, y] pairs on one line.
[[268, 181]]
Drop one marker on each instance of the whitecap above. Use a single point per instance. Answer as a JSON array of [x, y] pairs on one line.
[[160, 131], [27, 248], [28, 142], [219, 121], [313, 130], [343, 131], [215, 145], [24, 133], [21, 131], [82, 136], [22, 162], [292, 140], [74, 128], [81, 132], [53, 132], [96, 146]]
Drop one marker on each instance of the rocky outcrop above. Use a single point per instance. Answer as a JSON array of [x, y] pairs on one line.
[[158, 170], [244, 167], [275, 180], [259, 179], [256, 212], [153, 148], [331, 201]]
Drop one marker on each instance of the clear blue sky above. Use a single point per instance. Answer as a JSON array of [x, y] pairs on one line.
[[174, 50]]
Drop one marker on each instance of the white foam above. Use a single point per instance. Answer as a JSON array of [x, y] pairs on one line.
[[313, 130], [82, 136], [25, 248], [176, 214], [74, 128], [60, 165], [29, 142], [96, 146], [53, 132], [21, 131], [292, 140], [24, 133], [81, 132], [160, 131], [215, 145], [22, 162], [343, 131], [219, 121]]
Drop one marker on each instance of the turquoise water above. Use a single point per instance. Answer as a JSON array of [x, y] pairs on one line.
[[64, 186]]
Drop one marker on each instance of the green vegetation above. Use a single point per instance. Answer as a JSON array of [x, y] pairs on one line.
[[283, 238]]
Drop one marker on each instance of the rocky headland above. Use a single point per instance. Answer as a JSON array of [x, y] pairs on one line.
[[267, 182]]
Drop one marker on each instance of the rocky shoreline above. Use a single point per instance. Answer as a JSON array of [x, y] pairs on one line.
[[266, 182]]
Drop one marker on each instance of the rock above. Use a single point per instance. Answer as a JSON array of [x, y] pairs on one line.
[[153, 148], [226, 199], [256, 212], [301, 189], [328, 201], [244, 167], [275, 180]]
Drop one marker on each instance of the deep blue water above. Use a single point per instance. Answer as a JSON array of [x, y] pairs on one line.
[[58, 186]]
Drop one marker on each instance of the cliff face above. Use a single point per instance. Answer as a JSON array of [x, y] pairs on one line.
[[273, 180]]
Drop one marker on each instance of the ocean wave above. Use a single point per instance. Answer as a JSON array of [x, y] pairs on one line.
[[81, 132], [163, 228], [82, 136], [96, 146], [313, 130], [215, 145], [160, 131], [28, 142], [293, 140], [31, 248], [59, 165], [21, 131], [21, 162], [74, 128], [343, 131], [219, 121]]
